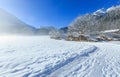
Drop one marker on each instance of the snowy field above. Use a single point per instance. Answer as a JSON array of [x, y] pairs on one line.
[[44, 57]]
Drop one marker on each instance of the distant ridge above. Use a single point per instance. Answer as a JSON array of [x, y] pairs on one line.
[[10, 24]]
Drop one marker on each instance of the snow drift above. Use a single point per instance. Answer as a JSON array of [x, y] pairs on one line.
[[44, 57]]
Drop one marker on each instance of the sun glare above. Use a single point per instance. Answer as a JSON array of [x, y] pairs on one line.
[[7, 37]]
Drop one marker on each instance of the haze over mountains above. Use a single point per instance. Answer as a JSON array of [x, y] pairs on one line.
[[102, 19], [9, 24]]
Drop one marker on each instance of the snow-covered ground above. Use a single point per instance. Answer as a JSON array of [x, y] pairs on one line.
[[40, 56]]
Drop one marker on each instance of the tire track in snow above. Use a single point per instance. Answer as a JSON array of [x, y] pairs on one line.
[[76, 58], [103, 63], [107, 61], [110, 69], [98, 65], [85, 70]]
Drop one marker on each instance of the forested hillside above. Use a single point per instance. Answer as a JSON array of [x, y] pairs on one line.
[[103, 19]]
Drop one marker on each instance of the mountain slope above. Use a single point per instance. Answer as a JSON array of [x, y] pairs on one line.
[[9, 24], [100, 12], [102, 19]]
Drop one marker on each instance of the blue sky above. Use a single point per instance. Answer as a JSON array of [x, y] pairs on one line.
[[58, 13]]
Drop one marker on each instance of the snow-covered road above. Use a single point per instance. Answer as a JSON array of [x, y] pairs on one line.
[[44, 57]]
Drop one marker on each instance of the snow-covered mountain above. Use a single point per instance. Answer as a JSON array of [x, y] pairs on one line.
[[9, 24], [113, 8], [100, 20], [104, 11], [100, 12]]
